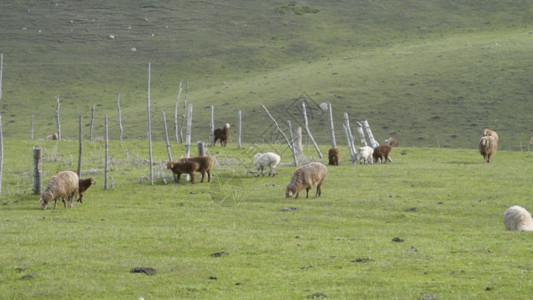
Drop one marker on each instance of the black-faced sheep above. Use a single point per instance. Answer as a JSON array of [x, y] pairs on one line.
[[64, 186], [222, 134], [382, 152], [333, 156], [180, 167], [392, 141], [205, 163], [492, 133], [53, 136], [268, 159], [83, 185], [307, 177], [517, 218], [365, 155], [487, 147]]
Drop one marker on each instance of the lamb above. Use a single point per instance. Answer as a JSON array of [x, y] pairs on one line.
[[487, 147], [488, 132], [392, 141], [83, 185], [382, 152], [307, 176], [222, 134], [180, 167], [333, 155], [205, 164], [517, 218], [53, 136], [63, 185], [270, 159], [365, 155]]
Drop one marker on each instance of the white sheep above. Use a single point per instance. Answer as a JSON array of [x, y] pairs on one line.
[[307, 177], [63, 185], [365, 155], [517, 218], [270, 159]]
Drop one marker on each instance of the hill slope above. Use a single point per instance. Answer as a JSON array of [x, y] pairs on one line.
[[432, 73]]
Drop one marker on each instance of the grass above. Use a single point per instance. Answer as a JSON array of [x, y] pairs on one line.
[[446, 205]]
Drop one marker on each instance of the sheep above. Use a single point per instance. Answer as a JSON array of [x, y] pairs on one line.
[[382, 152], [83, 185], [488, 132], [205, 162], [333, 155], [270, 159], [63, 185], [517, 218], [179, 167], [487, 147], [365, 155], [392, 141], [222, 134], [307, 177], [53, 136]]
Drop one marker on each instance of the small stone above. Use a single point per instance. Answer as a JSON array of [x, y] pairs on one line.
[[219, 254], [145, 270], [397, 239]]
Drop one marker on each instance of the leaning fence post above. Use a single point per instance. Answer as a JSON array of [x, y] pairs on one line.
[[166, 136], [331, 128], [149, 131], [38, 169], [309, 131], [80, 150]]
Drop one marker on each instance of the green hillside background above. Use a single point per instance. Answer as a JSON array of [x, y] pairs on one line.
[[433, 73]]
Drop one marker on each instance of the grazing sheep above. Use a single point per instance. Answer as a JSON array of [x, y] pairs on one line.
[[205, 163], [53, 136], [83, 185], [382, 152], [333, 155], [488, 132], [180, 167], [222, 134], [307, 177], [517, 218], [392, 141], [487, 147], [270, 159], [63, 185], [365, 155]]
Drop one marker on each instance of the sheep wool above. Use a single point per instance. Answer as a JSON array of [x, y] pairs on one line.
[[517, 218], [63, 185], [307, 177], [268, 159]]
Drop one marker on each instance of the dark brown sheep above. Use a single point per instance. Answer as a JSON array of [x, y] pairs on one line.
[[85, 184], [333, 155], [205, 162], [222, 134], [382, 152], [180, 167], [487, 147]]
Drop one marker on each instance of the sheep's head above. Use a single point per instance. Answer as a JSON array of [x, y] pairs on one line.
[[170, 165], [45, 199], [289, 192], [227, 125]]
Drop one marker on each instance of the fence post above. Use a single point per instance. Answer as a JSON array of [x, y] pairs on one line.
[[92, 124], [31, 129], [166, 136], [149, 131], [38, 169], [119, 117], [57, 120], [80, 150], [240, 130], [201, 148], [106, 172], [212, 133]]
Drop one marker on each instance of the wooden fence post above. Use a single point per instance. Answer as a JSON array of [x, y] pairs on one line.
[[361, 134], [92, 124], [81, 148], [184, 111], [294, 154], [176, 113], [212, 133], [106, 162], [1, 154], [1, 72], [38, 169], [309, 131], [149, 131], [166, 136], [331, 128], [240, 130], [57, 120], [31, 129], [373, 141], [119, 117], [201, 148], [188, 136]]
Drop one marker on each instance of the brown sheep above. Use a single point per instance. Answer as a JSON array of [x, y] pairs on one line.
[[83, 185], [487, 147], [222, 134], [382, 152], [53, 136], [492, 133], [205, 162], [333, 155], [307, 177], [63, 185], [180, 167], [392, 141]]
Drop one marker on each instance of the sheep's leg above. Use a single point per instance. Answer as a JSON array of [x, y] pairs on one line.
[[208, 175], [55, 203], [178, 177], [192, 177], [318, 190], [297, 194], [307, 190], [385, 159]]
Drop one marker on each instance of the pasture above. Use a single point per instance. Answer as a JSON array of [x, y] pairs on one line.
[[427, 225]]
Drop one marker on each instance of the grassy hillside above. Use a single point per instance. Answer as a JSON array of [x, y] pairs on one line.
[[432, 73], [445, 204]]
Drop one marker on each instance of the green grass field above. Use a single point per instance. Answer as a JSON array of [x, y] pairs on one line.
[[445, 204]]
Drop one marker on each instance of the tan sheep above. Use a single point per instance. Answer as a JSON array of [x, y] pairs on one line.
[[487, 147], [492, 133], [307, 177], [517, 218], [63, 185]]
